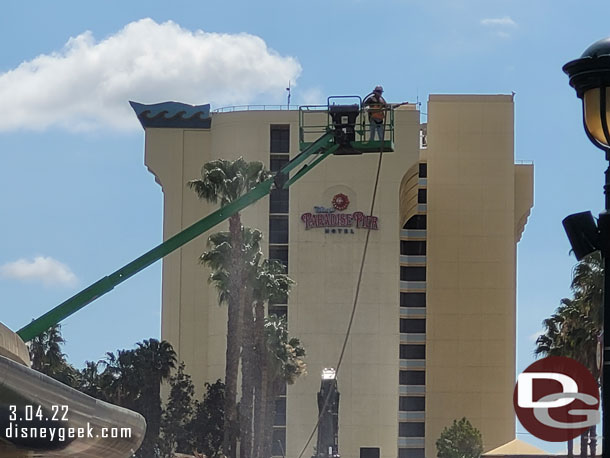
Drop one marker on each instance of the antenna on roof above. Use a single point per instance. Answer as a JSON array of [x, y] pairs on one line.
[[288, 89]]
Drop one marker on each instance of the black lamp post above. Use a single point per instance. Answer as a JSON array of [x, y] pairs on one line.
[[590, 76]]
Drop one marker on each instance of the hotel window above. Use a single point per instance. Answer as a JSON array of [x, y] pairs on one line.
[[280, 253], [412, 404], [416, 222], [278, 229], [369, 452], [413, 247], [278, 201], [412, 351], [412, 377], [411, 453], [280, 412], [423, 170], [279, 311], [422, 195], [412, 273], [280, 138], [278, 299], [412, 299], [413, 325], [279, 442], [411, 430], [278, 162]]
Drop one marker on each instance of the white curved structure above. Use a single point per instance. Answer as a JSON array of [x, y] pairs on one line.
[[32, 403]]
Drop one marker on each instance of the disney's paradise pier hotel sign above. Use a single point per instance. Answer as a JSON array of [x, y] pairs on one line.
[[334, 221]]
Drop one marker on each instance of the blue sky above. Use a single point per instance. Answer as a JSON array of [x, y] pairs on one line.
[[77, 201]]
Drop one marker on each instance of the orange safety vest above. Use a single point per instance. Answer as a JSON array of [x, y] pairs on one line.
[[377, 111]]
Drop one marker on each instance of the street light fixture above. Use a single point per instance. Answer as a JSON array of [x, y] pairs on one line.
[[590, 76]]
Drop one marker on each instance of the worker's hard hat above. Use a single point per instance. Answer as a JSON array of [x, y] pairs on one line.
[[378, 89]]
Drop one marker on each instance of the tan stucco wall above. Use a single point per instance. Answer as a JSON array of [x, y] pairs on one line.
[[472, 215], [524, 194]]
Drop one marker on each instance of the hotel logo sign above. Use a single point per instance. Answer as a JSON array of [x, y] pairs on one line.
[[335, 220]]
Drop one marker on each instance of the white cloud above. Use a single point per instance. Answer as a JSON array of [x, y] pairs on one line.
[[313, 96], [501, 26], [505, 21], [87, 84], [43, 269]]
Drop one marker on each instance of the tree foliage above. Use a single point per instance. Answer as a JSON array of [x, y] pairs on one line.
[[246, 282], [573, 330], [206, 426], [226, 181], [154, 362], [177, 415], [47, 357], [460, 440], [282, 363]]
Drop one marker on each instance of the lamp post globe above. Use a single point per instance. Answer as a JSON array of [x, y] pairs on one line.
[[590, 77]]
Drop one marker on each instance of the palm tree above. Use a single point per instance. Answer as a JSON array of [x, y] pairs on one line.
[[573, 330], [265, 281], [588, 287], [153, 362], [268, 282], [46, 357], [271, 285], [90, 380], [226, 181], [45, 351], [218, 258], [552, 343], [119, 381], [284, 365]]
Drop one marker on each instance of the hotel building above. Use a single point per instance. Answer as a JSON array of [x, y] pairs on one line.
[[434, 333]]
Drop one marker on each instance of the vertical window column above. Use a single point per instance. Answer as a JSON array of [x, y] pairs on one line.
[[279, 146], [412, 352]]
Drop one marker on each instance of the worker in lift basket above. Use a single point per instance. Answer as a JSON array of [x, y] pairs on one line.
[[376, 106]]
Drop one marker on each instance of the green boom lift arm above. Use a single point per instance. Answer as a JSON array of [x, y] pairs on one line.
[[324, 146]]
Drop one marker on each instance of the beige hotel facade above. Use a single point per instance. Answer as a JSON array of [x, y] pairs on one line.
[[434, 333]]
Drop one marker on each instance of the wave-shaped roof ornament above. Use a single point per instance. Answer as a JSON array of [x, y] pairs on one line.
[[173, 114]]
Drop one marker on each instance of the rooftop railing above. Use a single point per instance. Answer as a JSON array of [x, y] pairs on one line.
[[255, 108]]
